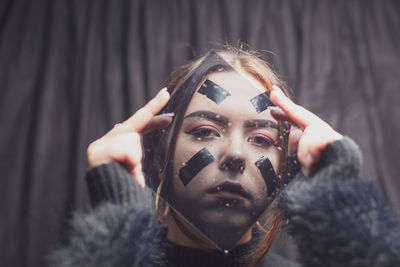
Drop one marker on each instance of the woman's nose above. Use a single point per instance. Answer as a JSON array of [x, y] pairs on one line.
[[233, 157]]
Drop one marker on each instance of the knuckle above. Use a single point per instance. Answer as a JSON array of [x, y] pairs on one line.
[[92, 153], [130, 139], [91, 148], [130, 143]]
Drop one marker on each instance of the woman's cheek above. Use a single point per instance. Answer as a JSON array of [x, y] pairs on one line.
[[190, 152]]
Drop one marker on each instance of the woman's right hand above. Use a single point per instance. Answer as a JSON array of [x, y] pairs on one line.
[[123, 143]]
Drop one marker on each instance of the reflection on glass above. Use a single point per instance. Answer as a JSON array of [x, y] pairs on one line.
[[216, 165]]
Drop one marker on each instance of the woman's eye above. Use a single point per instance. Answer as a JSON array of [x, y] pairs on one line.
[[261, 141], [203, 132]]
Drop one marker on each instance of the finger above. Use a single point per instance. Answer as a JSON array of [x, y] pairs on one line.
[[296, 113], [313, 141], [137, 174], [280, 115], [307, 154], [138, 121], [158, 122], [127, 149], [294, 138]]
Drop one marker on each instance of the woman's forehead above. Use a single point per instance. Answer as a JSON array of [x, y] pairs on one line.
[[232, 94], [236, 83]]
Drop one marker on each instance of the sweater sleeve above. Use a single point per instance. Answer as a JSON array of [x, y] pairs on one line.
[[337, 219], [120, 230], [110, 235], [112, 183]]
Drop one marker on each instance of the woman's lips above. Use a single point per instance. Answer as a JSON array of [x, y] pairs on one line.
[[229, 190]]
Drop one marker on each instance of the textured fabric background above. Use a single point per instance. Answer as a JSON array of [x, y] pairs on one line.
[[70, 70]]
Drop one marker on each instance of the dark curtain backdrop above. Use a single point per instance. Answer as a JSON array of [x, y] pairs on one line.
[[70, 70]]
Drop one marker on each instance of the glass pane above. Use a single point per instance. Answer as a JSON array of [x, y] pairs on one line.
[[222, 175]]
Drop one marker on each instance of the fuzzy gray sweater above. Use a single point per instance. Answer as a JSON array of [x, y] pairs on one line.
[[335, 218]]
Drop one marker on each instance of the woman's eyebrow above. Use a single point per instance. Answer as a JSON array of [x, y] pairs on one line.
[[209, 115], [260, 123]]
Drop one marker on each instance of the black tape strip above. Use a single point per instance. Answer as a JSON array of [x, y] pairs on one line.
[[194, 165], [213, 91], [268, 173], [261, 102]]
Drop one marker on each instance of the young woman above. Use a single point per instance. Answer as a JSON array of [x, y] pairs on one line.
[[215, 148]]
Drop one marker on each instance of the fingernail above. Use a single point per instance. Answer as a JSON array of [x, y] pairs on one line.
[[142, 181], [275, 108], [295, 127], [171, 114], [162, 91]]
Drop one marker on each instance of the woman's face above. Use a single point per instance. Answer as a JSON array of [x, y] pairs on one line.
[[217, 183]]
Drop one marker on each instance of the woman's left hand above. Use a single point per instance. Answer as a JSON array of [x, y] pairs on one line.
[[316, 133]]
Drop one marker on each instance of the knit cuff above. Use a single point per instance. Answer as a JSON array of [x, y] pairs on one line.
[[112, 183], [341, 159]]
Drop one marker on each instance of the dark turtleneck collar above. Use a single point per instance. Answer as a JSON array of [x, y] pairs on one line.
[[177, 256]]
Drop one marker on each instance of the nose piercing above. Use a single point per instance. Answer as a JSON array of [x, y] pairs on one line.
[[241, 168], [230, 165], [224, 166]]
